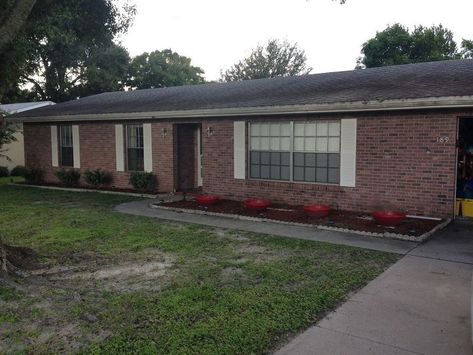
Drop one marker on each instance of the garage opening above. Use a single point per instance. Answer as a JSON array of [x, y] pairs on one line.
[[464, 201]]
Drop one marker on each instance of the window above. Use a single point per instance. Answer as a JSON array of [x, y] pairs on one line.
[[270, 151], [315, 149], [134, 147], [66, 151], [317, 152]]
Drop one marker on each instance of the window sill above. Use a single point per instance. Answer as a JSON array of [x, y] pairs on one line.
[[296, 182]]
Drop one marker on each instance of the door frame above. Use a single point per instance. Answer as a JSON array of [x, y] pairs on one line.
[[199, 156]]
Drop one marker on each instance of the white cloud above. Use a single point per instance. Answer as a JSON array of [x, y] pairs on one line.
[[218, 33]]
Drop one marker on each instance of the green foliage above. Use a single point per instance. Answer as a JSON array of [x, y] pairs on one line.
[[68, 177], [398, 45], [162, 69], [55, 47], [274, 59], [7, 135], [467, 48], [4, 172], [143, 181], [104, 70], [98, 177], [34, 176], [19, 170]]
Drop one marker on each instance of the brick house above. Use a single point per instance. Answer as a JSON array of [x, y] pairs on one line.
[[356, 140]]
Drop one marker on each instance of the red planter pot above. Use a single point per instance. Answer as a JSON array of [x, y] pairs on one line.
[[207, 200], [317, 211], [389, 218], [257, 204]]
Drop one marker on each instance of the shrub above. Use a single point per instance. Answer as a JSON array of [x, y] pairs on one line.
[[33, 176], [68, 177], [4, 171], [19, 170], [143, 181], [98, 177]]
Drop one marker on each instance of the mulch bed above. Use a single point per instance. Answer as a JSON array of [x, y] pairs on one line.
[[289, 213]]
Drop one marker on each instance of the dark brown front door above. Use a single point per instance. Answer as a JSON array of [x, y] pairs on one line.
[[187, 156]]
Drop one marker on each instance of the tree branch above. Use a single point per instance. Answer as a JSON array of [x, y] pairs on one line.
[[36, 85]]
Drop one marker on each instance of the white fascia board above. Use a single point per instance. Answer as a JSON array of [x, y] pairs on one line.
[[344, 107]]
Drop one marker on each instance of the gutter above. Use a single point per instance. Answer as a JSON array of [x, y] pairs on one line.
[[343, 107]]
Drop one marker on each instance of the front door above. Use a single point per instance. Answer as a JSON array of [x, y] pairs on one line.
[[188, 157]]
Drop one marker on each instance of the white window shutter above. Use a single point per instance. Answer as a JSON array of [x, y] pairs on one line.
[[54, 147], [348, 153], [148, 148], [239, 143], [76, 146], [119, 147]]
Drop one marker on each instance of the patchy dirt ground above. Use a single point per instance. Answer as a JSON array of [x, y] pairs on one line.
[[41, 306], [102, 282]]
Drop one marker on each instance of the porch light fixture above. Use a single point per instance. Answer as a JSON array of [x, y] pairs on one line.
[[164, 132], [210, 131]]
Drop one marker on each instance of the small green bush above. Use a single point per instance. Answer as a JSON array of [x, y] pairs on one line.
[[33, 176], [19, 170], [98, 177], [143, 181], [68, 177], [4, 171]]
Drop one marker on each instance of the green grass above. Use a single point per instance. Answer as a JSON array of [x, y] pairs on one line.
[[9, 179], [222, 293]]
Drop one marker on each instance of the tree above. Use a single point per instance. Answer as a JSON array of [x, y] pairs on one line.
[[162, 69], [104, 70], [467, 48], [274, 59], [397, 45], [7, 136], [55, 45]]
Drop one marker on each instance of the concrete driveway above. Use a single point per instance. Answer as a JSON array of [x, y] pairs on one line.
[[420, 305]]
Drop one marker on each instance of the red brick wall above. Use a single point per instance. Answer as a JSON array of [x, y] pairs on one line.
[[97, 150], [399, 162]]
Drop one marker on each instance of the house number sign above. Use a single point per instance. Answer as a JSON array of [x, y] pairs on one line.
[[443, 139]]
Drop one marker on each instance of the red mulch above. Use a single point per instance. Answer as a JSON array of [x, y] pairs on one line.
[[289, 213]]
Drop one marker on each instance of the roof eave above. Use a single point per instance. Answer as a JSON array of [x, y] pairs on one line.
[[342, 107]]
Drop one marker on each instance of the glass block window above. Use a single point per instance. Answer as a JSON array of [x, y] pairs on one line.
[[314, 145], [270, 145], [66, 150], [134, 147]]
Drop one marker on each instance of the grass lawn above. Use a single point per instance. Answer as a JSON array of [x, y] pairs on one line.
[[8, 179], [104, 282]]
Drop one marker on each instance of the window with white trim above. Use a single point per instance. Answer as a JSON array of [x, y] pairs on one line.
[[134, 147], [66, 147], [316, 153], [314, 146], [270, 151]]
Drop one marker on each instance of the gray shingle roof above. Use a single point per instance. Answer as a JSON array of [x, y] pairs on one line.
[[422, 80]]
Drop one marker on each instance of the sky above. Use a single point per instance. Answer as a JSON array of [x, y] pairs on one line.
[[215, 34]]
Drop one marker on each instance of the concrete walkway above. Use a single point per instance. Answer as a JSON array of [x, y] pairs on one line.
[[420, 305], [141, 208]]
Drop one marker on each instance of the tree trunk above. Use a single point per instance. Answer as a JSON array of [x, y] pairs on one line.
[[12, 25]]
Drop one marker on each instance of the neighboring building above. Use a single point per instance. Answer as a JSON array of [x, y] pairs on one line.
[[15, 151], [356, 140]]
